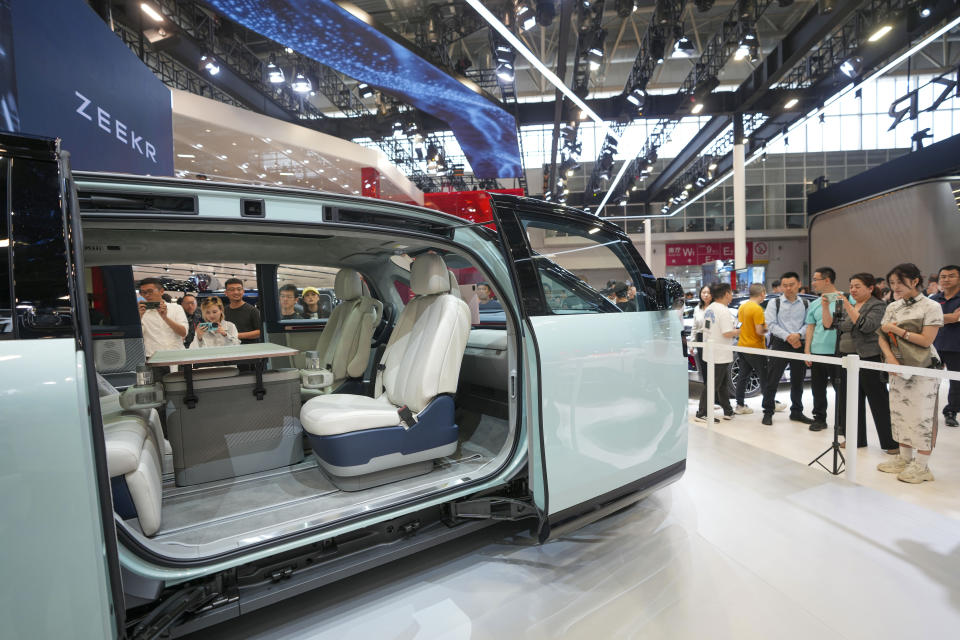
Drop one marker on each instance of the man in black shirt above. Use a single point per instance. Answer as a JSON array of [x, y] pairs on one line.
[[244, 315], [289, 309]]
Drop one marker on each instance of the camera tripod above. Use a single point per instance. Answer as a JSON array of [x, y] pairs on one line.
[[838, 460]]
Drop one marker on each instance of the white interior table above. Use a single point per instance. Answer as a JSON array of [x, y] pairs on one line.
[[257, 352]]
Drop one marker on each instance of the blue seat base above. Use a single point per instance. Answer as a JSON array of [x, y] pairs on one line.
[[372, 451]]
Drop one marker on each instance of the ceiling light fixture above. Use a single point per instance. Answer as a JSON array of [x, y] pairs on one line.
[[791, 103], [852, 67], [683, 47], [697, 108], [274, 73], [880, 32], [209, 63], [148, 9], [301, 84]]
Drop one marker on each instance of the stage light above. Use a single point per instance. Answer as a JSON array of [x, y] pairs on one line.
[[637, 97], [623, 200], [791, 103], [595, 53], [880, 32], [148, 9], [365, 90], [546, 12], [301, 84], [852, 67], [697, 108], [712, 166], [924, 10], [684, 48], [274, 73], [209, 63], [688, 186], [505, 72]]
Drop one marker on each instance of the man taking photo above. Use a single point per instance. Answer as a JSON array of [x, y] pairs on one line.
[[164, 325]]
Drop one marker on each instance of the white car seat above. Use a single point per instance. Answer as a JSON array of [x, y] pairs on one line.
[[344, 345], [134, 459], [362, 441]]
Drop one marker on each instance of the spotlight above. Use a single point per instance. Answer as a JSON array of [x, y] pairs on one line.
[[852, 67], [301, 84], [623, 200], [658, 47], [880, 32], [624, 8], [791, 103], [546, 12], [365, 90], [595, 53], [712, 166], [638, 98], [683, 47], [210, 63], [924, 10], [697, 108], [505, 72], [274, 73]]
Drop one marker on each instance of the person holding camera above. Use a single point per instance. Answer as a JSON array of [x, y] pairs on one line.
[[164, 325], [822, 340], [909, 327], [858, 326], [214, 331]]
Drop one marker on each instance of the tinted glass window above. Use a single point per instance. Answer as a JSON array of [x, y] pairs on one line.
[[305, 292]]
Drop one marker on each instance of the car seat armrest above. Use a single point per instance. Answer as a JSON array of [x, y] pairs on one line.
[[138, 398], [315, 378]]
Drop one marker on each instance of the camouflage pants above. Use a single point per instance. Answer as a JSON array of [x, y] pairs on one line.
[[913, 411]]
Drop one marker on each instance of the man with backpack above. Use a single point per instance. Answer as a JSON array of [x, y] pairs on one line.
[[786, 318]]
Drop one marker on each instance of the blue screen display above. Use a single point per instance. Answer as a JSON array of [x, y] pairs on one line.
[[332, 36], [77, 81]]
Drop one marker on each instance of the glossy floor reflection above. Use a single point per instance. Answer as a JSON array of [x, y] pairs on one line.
[[747, 545]]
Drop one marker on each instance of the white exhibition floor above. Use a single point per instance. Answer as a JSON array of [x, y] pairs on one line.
[[747, 545]]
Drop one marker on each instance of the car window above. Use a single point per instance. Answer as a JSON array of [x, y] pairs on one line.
[[305, 292], [6, 304], [583, 271]]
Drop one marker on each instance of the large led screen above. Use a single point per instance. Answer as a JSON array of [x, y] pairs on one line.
[[66, 75], [334, 37]]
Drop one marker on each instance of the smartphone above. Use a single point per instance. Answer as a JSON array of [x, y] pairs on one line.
[[208, 325], [152, 305]]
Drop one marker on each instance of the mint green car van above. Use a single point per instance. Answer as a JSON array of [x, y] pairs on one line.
[[466, 375]]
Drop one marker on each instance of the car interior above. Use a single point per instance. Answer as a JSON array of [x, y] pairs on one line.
[[392, 397]]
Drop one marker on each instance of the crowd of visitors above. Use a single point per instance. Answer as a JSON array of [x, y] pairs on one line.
[[898, 319]]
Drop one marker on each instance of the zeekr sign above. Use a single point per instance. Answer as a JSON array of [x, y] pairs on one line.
[[73, 79], [696, 253]]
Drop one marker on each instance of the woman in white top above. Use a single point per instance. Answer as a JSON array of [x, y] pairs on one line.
[[697, 330], [222, 334], [909, 327]]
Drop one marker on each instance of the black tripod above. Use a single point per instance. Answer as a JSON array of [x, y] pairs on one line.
[[838, 460]]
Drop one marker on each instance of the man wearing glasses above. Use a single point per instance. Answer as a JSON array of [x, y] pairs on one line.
[[243, 314], [164, 325]]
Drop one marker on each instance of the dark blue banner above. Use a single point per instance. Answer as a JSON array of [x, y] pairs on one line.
[[332, 36], [76, 80]]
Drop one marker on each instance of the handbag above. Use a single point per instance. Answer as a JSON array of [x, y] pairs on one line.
[[909, 354]]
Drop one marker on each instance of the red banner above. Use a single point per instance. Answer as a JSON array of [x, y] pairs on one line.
[[697, 253]]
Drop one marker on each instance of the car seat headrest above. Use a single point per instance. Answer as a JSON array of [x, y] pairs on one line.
[[429, 275], [454, 285], [348, 285]]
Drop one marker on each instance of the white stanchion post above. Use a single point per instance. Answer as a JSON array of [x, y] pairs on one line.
[[852, 364], [708, 352]]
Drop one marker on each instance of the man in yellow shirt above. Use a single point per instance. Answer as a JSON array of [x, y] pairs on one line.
[[753, 328]]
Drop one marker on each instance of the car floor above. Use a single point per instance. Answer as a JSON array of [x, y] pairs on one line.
[[795, 441], [214, 517], [747, 545]]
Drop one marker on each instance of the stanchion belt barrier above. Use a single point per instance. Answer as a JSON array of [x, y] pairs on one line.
[[852, 363]]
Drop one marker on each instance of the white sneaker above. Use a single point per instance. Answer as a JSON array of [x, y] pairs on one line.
[[779, 406], [896, 465], [915, 473], [742, 410]]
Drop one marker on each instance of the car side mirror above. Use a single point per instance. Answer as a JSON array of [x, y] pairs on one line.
[[669, 294]]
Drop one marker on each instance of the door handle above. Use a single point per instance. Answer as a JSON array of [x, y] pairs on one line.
[[513, 384]]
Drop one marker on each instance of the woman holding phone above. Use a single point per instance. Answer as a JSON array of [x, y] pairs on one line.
[[908, 329], [214, 331]]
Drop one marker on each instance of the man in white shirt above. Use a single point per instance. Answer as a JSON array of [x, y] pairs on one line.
[[164, 325], [720, 327]]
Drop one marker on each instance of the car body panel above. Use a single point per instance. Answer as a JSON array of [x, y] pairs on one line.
[[50, 503], [609, 417]]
